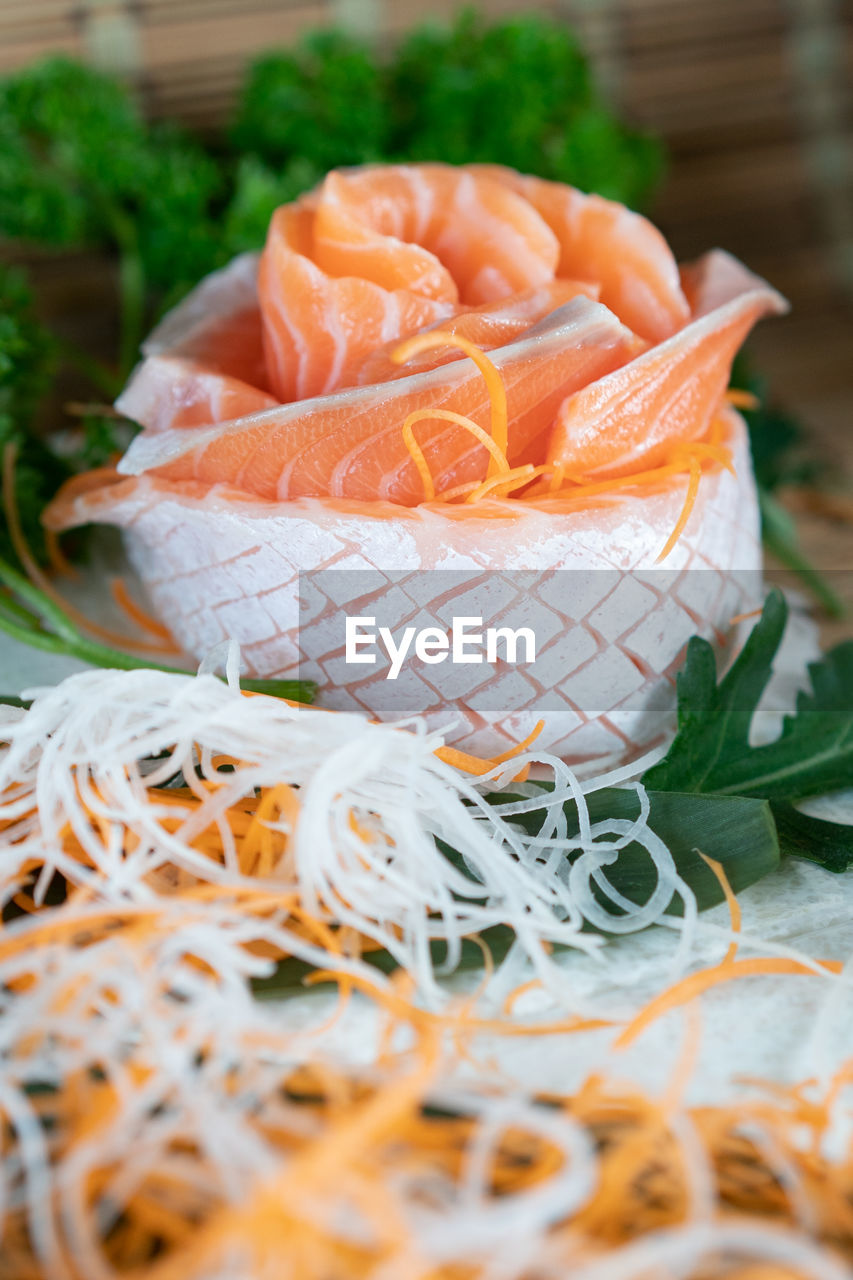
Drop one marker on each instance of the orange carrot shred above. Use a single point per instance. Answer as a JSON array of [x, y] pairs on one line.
[[689, 502], [40, 580], [494, 383], [446, 415], [520, 746], [59, 562], [502, 485], [742, 399], [731, 901], [695, 984], [122, 597], [744, 617]]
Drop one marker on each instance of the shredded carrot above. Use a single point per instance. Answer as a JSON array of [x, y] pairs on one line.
[[717, 452], [533, 984], [143, 619], [501, 480], [59, 562], [742, 399], [587, 489], [446, 415], [501, 485], [744, 617], [696, 983], [731, 901], [520, 746], [689, 502], [40, 580], [494, 383]]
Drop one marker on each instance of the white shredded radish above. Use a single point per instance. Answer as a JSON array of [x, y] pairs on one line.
[[363, 853]]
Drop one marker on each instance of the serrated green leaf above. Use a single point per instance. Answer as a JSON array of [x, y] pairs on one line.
[[832, 686], [711, 752], [714, 719]]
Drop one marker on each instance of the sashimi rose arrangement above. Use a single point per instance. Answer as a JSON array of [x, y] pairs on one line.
[[567, 411]]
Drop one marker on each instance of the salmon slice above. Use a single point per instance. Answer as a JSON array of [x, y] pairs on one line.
[[218, 325], [350, 445], [204, 362], [489, 326], [672, 391], [188, 378], [603, 241], [220, 564], [439, 230], [378, 253], [170, 391]]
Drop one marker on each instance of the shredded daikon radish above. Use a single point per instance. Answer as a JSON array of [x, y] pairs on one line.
[[85, 786]]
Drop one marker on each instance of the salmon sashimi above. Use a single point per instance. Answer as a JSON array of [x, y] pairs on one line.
[[204, 362], [285, 430], [482, 253], [379, 253], [670, 392], [218, 563], [169, 391], [602, 241], [195, 373], [218, 325], [350, 445], [488, 326]]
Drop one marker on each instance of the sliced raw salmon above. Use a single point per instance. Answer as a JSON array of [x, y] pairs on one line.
[[671, 392], [220, 564], [190, 375], [350, 445], [170, 391], [218, 325], [603, 241], [489, 326], [378, 253], [204, 362]]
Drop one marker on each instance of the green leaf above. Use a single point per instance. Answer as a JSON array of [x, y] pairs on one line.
[[80, 167], [41, 623], [738, 833], [830, 844], [258, 191], [70, 140], [735, 831], [517, 92], [812, 756], [711, 752], [714, 720], [27, 362]]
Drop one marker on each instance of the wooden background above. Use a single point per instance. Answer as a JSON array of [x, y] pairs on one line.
[[753, 98]]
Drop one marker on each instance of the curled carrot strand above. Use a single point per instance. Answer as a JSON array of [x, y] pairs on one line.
[[446, 415], [494, 383]]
